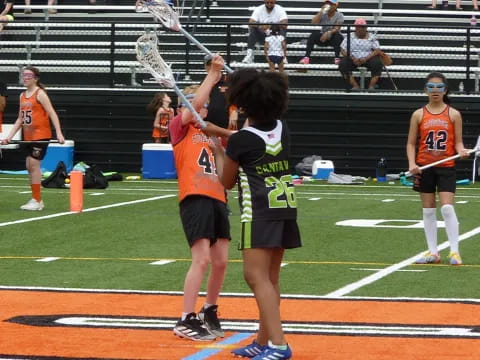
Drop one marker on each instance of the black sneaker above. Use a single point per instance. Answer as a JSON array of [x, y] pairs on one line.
[[209, 318], [191, 328]]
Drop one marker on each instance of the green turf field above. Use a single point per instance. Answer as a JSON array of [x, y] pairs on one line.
[[132, 224]]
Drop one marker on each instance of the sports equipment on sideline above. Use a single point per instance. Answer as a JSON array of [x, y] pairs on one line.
[[150, 58], [169, 18]]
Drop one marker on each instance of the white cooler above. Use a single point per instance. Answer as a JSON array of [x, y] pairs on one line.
[[321, 169]]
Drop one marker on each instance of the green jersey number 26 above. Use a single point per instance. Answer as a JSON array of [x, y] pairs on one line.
[[281, 186]]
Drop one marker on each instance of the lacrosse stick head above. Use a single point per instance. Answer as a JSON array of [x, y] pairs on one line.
[[477, 148], [149, 57], [162, 11], [404, 181]]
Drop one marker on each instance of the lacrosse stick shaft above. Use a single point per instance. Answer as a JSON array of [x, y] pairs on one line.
[[453, 157], [201, 47], [190, 107], [391, 80], [33, 141], [474, 170]]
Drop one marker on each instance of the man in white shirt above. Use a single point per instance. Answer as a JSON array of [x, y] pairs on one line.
[[269, 13]]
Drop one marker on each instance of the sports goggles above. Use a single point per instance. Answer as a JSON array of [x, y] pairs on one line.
[[28, 76], [435, 87]]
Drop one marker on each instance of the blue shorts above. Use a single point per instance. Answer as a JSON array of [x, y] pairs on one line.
[[275, 59]]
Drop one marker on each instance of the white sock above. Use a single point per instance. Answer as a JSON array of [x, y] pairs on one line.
[[451, 226], [184, 315], [207, 305], [430, 227], [249, 52], [279, 347]]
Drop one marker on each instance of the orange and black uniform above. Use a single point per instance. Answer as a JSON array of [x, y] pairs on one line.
[[165, 116], [36, 122], [203, 208], [436, 142], [437, 138]]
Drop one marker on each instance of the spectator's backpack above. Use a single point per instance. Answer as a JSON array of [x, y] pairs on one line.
[[57, 177]]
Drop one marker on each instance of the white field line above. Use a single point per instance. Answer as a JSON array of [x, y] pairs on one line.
[[48, 259], [236, 294], [371, 269], [51, 216], [162, 262], [391, 269]]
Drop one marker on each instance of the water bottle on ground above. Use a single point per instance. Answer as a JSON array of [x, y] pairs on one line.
[[381, 170], [461, 87]]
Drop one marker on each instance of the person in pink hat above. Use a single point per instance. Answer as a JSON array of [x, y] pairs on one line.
[[364, 51], [331, 21]]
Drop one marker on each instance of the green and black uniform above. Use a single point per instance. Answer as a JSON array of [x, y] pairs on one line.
[[266, 193]]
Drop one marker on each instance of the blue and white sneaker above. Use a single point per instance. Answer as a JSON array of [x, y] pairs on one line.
[[273, 353], [250, 350]]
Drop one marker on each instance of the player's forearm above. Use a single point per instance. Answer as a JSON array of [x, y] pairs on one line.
[[219, 163]]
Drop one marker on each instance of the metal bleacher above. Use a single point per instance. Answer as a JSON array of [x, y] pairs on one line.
[[100, 46]]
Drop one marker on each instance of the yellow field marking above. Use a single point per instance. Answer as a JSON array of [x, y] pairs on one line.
[[300, 262]]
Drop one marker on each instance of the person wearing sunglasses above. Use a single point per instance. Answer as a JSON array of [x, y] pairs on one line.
[[436, 130]]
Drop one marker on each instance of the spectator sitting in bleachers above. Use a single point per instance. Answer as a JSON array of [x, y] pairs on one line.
[[364, 50], [458, 4], [7, 13], [269, 13], [331, 19]]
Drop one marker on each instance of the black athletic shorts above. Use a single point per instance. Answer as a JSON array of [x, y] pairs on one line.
[[204, 218], [36, 150], [270, 234], [441, 179]]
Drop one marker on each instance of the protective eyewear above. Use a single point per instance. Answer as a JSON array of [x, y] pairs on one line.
[[28, 76], [435, 87]]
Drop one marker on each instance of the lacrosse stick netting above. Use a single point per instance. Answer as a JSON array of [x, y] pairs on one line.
[[162, 11], [169, 18], [150, 58]]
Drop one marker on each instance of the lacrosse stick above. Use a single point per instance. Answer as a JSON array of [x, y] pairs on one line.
[[391, 80], [403, 176], [169, 18], [477, 155], [150, 58], [33, 141]]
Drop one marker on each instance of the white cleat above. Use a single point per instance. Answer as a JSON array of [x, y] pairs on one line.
[[33, 205]]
